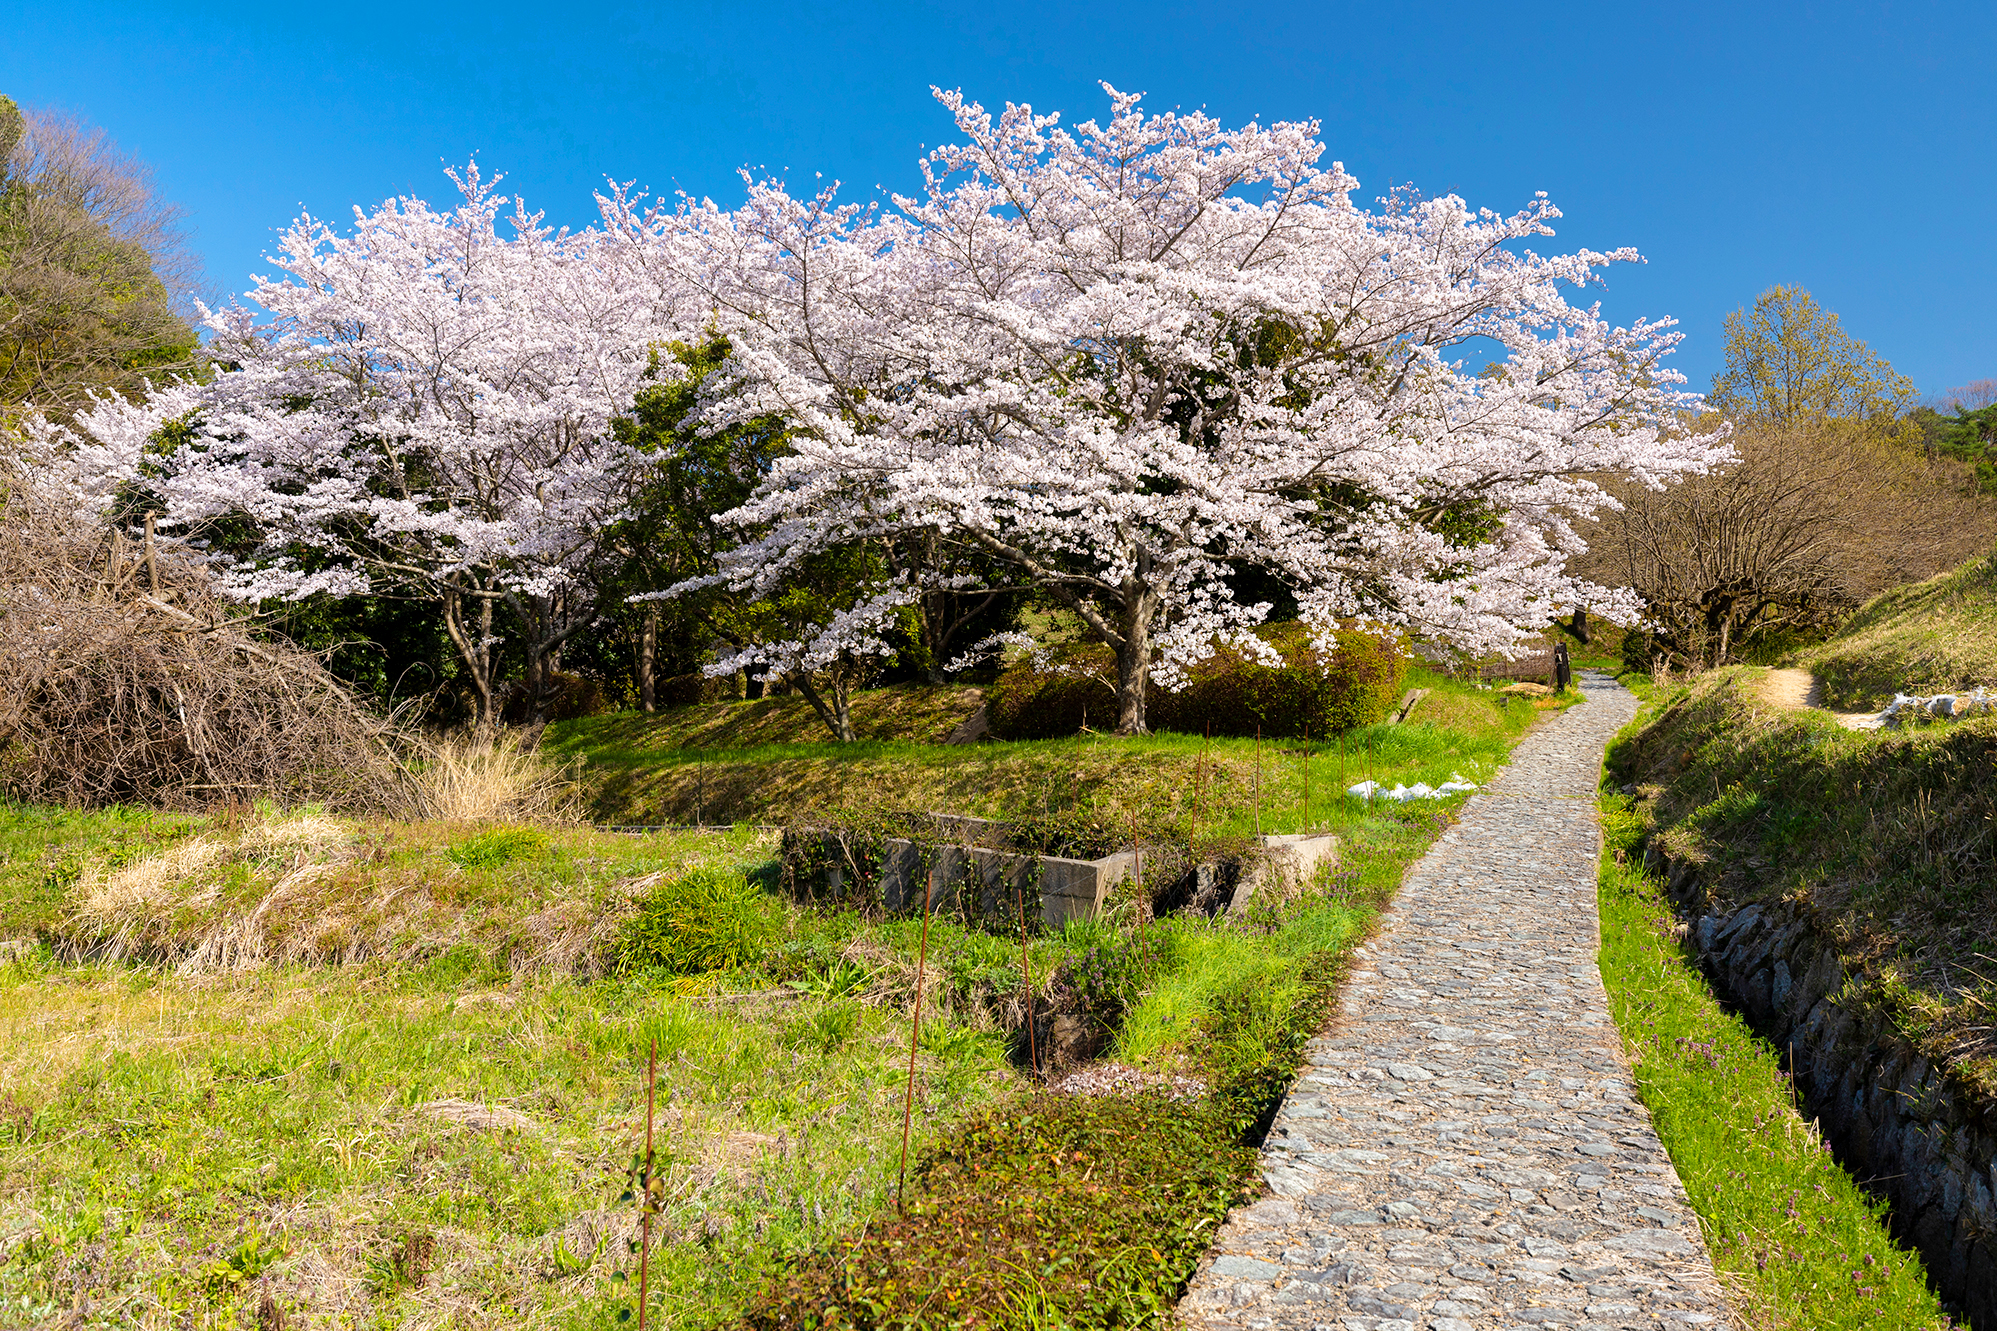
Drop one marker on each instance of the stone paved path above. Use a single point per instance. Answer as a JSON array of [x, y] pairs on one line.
[[1462, 1149]]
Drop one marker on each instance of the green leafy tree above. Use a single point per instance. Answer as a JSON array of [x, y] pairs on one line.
[[669, 537], [93, 268], [1791, 366]]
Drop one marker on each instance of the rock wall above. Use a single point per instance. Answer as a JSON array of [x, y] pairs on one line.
[[1911, 1133]]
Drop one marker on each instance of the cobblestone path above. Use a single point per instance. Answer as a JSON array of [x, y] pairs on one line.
[[1462, 1149]]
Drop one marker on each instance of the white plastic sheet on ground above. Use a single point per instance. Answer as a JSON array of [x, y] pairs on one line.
[[1939, 706], [1420, 790]]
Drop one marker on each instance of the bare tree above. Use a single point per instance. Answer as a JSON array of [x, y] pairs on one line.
[[1808, 524], [1972, 396], [96, 274]]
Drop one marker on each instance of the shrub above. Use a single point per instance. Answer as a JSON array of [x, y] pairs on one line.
[[1227, 694], [564, 697], [706, 920], [1092, 1209], [686, 690]]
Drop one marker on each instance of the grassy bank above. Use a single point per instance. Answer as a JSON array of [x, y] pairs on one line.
[[1887, 835], [438, 1135], [1796, 1241], [1937, 636], [649, 770]]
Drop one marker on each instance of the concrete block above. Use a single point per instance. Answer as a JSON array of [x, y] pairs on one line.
[[1289, 864]]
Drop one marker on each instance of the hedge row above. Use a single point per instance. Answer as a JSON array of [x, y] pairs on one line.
[[1228, 694]]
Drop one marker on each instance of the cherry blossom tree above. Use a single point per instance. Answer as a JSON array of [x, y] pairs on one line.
[[424, 406], [1129, 361]]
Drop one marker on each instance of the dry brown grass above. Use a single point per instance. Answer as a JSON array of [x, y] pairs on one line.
[[316, 890], [466, 779]]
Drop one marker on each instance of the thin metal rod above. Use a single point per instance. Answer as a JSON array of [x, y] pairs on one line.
[[914, 1034]]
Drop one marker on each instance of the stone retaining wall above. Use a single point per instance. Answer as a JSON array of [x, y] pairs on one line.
[[1905, 1128], [997, 883]]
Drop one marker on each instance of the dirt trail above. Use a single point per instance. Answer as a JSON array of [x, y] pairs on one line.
[[1793, 690]]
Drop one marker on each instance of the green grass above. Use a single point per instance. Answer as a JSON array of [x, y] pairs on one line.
[[158, 1126], [915, 713], [1888, 835], [1072, 1212], [1791, 1234], [638, 772], [391, 1074], [43, 852], [1928, 637]]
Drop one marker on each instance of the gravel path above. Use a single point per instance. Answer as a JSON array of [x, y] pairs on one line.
[[1462, 1150]]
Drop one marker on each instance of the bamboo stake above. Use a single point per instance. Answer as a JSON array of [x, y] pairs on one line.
[[914, 1034], [1143, 902], [1307, 777], [1026, 975], [1258, 783], [1199, 783], [645, 1243]]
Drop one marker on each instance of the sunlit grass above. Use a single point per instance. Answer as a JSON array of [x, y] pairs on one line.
[[1791, 1233]]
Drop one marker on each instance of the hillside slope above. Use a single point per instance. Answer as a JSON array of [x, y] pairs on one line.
[[1927, 637], [1887, 838]]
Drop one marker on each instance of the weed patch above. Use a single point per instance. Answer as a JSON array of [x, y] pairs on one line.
[[706, 920]]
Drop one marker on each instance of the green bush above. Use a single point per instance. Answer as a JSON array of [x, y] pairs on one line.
[[686, 690], [705, 921], [1227, 694], [499, 846], [564, 697]]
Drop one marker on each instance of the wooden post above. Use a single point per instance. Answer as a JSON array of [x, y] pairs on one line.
[[1307, 777], [1258, 783]]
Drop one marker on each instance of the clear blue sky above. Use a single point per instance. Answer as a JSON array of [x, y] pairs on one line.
[[1851, 148]]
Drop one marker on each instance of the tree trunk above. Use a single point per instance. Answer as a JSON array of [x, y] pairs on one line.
[[1133, 664], [648, 657], [836, 712], [1580, 626], [473, 649], [536, 683]]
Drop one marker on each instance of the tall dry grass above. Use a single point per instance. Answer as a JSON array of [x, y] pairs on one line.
[[467, 779]]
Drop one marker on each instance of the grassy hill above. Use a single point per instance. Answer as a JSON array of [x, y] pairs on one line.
[[1927, 637]]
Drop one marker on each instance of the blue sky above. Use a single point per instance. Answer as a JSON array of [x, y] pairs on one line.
[[1850, 148]]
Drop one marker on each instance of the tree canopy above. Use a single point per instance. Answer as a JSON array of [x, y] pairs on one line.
[[1790, 365], [1129, 361]]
